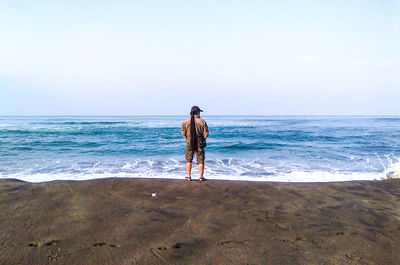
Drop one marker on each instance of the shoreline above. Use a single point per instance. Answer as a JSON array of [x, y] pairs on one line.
[[196, 179], [292, 177], [118, 221]]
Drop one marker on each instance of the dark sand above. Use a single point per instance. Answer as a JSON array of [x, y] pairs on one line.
[[117, 221]]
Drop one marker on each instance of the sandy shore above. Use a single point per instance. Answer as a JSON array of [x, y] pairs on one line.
[[118, 221]]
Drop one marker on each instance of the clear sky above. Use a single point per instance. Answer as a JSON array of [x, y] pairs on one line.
[[154, 57]]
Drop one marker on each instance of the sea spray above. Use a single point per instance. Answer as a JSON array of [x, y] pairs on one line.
[[393, 171]]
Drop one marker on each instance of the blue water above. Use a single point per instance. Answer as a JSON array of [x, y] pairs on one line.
[[260, 148]]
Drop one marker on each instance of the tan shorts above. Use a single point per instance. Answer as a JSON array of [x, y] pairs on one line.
[[200, 155]]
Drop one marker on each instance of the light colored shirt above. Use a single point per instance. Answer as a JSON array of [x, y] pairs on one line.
[[201, 128]]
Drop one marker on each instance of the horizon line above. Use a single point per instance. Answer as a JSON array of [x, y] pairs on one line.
[[171, 115]]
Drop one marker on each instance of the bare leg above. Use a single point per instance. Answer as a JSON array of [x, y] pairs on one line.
[[201, 169], [189, 170]]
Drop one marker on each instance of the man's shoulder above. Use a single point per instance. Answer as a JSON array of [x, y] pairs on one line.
[[186, 121], [202, 122]]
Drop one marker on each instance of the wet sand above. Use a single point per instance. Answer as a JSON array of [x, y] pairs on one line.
[[118, 221]]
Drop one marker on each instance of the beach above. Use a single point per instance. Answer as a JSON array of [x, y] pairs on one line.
[[159, 221], [289, 110]]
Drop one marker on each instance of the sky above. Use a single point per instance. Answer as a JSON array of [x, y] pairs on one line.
[[156, 57]]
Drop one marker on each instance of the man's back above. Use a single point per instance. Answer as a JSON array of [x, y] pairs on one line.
[[201, 127]]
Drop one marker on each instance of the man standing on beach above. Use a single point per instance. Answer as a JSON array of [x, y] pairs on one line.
[[195, 132]]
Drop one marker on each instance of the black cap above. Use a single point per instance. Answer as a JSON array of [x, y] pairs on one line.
[[195, 109]]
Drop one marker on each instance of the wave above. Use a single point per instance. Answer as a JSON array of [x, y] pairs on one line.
[[391, 119], [216, 169], [16, 131], [80, 123], [256, 146]]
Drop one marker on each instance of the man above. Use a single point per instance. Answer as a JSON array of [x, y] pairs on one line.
[[195, 132]]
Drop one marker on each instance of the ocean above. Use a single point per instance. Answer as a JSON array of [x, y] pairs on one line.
[[254, 148]]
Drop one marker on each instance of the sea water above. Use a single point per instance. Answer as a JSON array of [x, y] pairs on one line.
[[255, 148]]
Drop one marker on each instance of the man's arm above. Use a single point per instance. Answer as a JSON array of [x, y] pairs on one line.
[[205, 130], [184, 131]]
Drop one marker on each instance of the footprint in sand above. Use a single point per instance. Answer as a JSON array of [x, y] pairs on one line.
[[293, 241], [100, 244], [34, 244], [175, 246], [52, 242], [231, 242], [49, 243], [353, 257], [359, 259], [344, 233]]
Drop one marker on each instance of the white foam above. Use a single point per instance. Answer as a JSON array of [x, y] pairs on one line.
[[231, 169], [129, 165], [296, 176], [393, 171]]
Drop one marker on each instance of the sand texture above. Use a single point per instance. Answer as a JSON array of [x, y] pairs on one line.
[[118, 221]]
